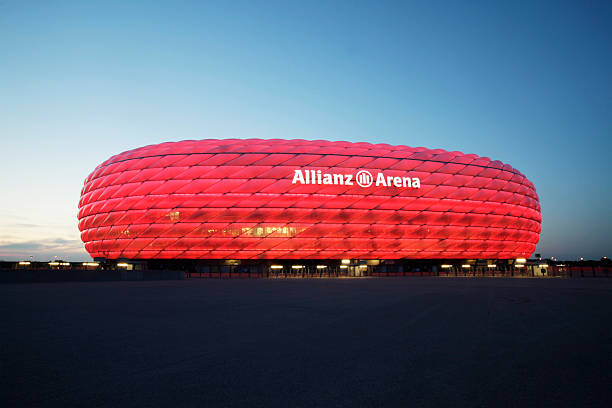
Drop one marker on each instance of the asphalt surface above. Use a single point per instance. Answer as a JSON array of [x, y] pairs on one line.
[[409, 342]]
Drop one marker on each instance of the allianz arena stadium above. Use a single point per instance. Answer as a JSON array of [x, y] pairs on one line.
[[274, 202]]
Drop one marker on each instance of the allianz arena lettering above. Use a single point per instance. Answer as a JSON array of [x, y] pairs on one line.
[[298, 199], [363, 179]]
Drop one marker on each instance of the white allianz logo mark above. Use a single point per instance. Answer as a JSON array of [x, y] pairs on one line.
[[363, 178]]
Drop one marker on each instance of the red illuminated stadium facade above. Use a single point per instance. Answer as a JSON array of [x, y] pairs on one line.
[[276, 199]]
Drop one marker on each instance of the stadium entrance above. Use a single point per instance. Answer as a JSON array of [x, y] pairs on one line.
[[282, 270]]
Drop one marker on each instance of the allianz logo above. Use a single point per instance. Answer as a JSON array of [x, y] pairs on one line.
[[363, 178]]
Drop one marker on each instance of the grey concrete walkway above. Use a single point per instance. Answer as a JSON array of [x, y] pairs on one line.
[[431, 342]]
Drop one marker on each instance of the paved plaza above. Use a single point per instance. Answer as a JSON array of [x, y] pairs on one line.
[[405, 342]]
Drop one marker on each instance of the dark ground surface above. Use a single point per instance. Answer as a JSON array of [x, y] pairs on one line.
[[434, 342]]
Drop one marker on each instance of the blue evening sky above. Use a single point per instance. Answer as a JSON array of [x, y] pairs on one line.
[[525, 82]]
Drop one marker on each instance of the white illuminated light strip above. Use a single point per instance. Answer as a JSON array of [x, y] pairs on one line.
[[346, 261], [447, 266], [343, 266], [91, 264], [297, 266], [491, 266], [123, 264], [465, 266], [276, 266], [24, 263], [321, 266]]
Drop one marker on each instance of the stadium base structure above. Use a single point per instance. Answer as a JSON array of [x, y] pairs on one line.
[[104, 270]]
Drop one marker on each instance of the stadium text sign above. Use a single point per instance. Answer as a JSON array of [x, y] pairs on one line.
[[363, 178]]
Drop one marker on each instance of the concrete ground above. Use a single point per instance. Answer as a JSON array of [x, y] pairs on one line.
[[409, 342]]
